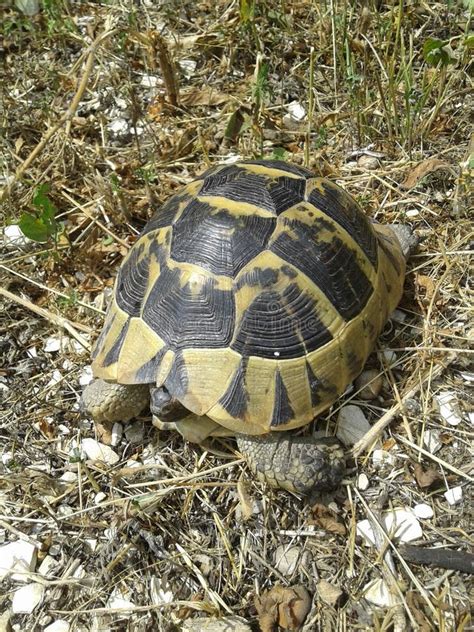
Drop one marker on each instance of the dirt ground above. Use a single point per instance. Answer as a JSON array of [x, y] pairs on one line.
[[109, 108]]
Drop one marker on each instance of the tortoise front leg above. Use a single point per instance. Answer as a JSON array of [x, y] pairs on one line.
[[298, 464], [107, 401]]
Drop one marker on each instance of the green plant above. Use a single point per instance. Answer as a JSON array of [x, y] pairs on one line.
[[40, 225]]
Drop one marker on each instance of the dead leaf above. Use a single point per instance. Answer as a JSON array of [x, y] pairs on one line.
[[427, 284], [246, 500], [329, 593], [425, 478], [325, 518], [422, 169], [286, 607], [415, 603], [203, 96]]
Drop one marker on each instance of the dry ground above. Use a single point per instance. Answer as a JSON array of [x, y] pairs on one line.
[[115, 106]]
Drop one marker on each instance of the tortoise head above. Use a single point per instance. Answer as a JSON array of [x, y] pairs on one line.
[[166, 407]]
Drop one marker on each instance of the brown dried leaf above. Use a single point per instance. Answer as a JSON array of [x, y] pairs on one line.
[[422, 169], [425, 478], [325, 518], [427, 284], [246, 501], [286, 607], [203, 96]]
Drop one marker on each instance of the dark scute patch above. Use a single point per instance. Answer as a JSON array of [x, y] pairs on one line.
[[280, 325], [132, 281], [189, 317], [165, 214], [159, 251], [113, 353], [147, 373], [282, 166], [177, 380], [387, 246], [219, 241], [320, 389], [332, 266], [289, 272], [263, 277], [354, 362], [282, 410], [235, 399], [240, 186], [342, 208], [286, 192]]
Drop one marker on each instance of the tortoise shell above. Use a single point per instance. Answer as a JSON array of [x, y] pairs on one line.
[[254, 295]]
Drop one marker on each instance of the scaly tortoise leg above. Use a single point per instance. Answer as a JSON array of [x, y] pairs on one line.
[[298, 464], [107, 401]]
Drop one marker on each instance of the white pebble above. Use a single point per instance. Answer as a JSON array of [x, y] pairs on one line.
[[389, 356], [119, 600], [412, 213], [86, 376], [60, 625], [296, 110], [423, 511], [99, 497], [54, 343], [55, 378], [160, 591], [96, 451], [17, 558], [362, 482], [398, 316], [377, 593], [382, 457], [32, 352], [352, 425], [26, 598], [118, 126], [447, 406], [431, 441], [116, 435], [14, 238], [400, 524], [47, 566], [453, 495]]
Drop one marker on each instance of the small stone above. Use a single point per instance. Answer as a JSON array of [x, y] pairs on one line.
[[188, 66], [377, 592], [56, 377], [117, 432], [369, 384], [423, 511], [68, 477], [402, 525], [328, 593], [368, 162], [453, 495], [412, 213], [99, 497], [47, 566], [362, 482], [13, 237], [26, 598], [134, 432], [398, 316], [118, 127], [86, 376], [91, 543], [16, 559], [54, 343], [160, 591], [352, 425], [119, 600], [447, 406], [389, 356], [289, 559], [382, 457], [96, 451], [60, 625], [431, 441]]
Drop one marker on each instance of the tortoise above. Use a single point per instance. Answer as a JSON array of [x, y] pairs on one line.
[[250, 301]]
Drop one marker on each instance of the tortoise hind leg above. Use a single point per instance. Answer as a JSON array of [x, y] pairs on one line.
[[108, 401], [298, 464]]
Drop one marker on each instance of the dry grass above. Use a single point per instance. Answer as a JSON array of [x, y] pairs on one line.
[[115, 107]]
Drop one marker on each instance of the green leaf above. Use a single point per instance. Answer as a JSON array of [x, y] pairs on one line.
[[469, 41], [435, 54], [41, 225], [247, 11], [33, 228]]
